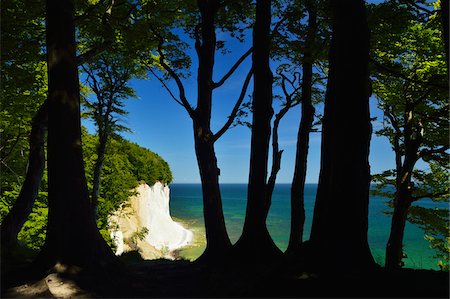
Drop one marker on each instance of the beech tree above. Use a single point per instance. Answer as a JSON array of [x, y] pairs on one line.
[[70, 218], [23, 85], [96, 27], [298, 40], [210, 13], [255, 241], [411, 91], [108, 77], [305, 127], [340, 221], [16, 217]]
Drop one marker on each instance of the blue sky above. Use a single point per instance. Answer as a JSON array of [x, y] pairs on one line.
[[161, 125]]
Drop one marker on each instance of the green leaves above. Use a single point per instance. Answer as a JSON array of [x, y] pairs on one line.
[[410, 84]]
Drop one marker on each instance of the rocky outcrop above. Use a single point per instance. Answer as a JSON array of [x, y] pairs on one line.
[[144, 223]]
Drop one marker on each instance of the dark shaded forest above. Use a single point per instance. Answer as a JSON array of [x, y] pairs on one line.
[[334, 54]]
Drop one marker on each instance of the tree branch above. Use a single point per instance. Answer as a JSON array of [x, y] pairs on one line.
[[91, 53], [235, 110], [167, 88], [386, 69], [233, 68], [428, 195], [440, 150], [174, 75], [417, 7]]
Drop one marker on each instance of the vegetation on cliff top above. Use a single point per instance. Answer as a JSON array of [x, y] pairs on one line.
[[126, 165]]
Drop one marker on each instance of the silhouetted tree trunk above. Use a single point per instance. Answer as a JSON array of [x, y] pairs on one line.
[[18, 215], [276, 155], [255, 241], [24, 203], [394, 248], [217, 238], [412, 140], [340, 221], [307, 118], [72, 236]]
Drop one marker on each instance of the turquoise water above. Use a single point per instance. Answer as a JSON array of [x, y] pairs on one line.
[[186, 205]]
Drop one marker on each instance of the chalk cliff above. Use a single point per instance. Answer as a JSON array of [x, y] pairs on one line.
[[144, 223]]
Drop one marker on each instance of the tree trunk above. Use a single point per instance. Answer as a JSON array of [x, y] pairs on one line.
[[18, 215], [307, 118], [403, 197], [72, 235], [255, 241], [101, 150], [340, 221], [217, 240], [394, 248], [276, 156]]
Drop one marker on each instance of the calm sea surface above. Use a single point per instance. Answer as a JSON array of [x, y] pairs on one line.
[[186, 206]]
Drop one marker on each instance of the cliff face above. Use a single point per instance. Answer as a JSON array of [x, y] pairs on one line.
[[144, 223]]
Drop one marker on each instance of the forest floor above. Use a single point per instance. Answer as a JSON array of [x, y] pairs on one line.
[[166, 278]]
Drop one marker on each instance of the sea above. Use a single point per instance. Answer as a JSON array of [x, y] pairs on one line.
[[186, 207]]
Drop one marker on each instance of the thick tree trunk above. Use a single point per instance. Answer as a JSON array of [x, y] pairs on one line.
[[72, 236], [101, 150], [394, 248], [255, 242], [217, 240], [13, 222], [340, 221], [307, 118]]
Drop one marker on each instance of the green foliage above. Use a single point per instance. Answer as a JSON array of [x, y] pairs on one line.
[[435, 221], [34, 230], [121, 174], [410, 84], [108, 78], [23, 84], [136, 236], [126, 165], [147, 166]]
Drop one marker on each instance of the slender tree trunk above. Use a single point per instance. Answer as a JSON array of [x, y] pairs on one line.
[[13, 222], [101, 150], [307, 118], [276, 156], [217, 240], [72, 235], [403, 197], [340, 221], [394, 248], [255, 241]]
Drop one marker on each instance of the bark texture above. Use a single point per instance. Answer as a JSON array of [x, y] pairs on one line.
[[340, 221], [255, 241], [72, 236], [18, 215]]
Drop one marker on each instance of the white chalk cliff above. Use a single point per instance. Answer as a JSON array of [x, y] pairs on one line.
[[148, 210]]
